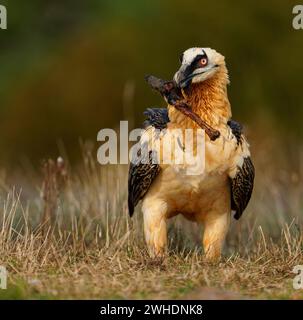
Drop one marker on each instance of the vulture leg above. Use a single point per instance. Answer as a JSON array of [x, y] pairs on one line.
[[215, 230], [154, 215]]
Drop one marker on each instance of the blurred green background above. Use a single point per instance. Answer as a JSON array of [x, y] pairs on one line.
[[70, 68]]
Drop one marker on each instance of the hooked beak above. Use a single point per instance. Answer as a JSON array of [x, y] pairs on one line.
[[183, 77]]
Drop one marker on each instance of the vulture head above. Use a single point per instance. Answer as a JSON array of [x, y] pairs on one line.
[[198, 65]]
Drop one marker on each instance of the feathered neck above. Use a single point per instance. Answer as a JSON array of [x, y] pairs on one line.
[[208, 99]]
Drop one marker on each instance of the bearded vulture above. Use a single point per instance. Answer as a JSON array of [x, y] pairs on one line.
[[226, 183]]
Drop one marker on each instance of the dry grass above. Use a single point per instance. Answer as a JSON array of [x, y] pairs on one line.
[[72, 238]]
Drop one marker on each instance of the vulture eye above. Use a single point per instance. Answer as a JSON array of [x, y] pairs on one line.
[[203, 62]]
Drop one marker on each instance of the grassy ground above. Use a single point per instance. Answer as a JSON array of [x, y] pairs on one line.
[[67, 235], [97, 274]]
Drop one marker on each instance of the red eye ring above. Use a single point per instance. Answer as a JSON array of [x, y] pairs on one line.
[[203, 62]]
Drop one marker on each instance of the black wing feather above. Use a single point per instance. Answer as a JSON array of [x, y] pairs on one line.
[[236, 129], [156, 117], [242, 187]]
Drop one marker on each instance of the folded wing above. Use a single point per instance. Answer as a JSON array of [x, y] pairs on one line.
[[242, 187], [142, 174]]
